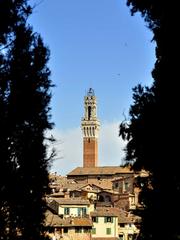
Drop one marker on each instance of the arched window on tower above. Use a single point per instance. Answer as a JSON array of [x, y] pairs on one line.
[[89, 112]]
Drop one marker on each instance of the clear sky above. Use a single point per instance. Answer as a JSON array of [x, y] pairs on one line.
[[98, 44]]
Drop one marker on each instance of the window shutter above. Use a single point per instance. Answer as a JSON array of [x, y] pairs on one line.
[[108, 231], [79, 211]]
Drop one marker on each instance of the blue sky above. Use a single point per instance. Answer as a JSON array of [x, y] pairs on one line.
[[98, 44]]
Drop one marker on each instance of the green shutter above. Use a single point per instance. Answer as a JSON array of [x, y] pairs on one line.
[[66, 211], [79, 211], [93, 230], [83, 211], [108, 231]]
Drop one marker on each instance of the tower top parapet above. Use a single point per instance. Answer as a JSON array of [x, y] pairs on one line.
[[91, 92]]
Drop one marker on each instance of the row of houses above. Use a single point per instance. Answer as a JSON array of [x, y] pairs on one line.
[[93, 202], [93, 209]]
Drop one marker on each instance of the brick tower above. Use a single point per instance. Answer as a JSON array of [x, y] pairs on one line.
[[90, 129]]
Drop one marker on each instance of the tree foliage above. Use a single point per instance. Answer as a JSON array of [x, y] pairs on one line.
[[152, 129], [25, 96]]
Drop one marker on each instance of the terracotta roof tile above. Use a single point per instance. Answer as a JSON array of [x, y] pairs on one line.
[[123, 216], [103, 238], [55, 221], [105, 211], [82, 222], [71, 201], [105, 170]]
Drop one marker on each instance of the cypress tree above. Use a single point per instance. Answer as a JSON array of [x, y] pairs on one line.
[[153, 125], [25, 94]]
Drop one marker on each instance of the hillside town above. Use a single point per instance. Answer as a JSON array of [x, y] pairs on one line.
[[93, 202]]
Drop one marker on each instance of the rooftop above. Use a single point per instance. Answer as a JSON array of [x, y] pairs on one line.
[[55, 221], [71, 201], [105, 170]]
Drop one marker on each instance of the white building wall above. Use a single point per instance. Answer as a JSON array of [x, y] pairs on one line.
[[73, 210], [128, 229]]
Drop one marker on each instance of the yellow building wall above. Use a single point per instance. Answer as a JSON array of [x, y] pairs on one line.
[[101, 227]]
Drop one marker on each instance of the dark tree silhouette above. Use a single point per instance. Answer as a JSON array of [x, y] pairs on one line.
[[154, 125], [25, 96], [11, 14]]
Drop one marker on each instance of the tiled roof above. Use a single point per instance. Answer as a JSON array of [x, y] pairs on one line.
[[123, 216], [126, 217], [103, 238], [81, 222], [58, 194], [110, 191], [105, 212], [74, 186], [57, 178], [122, 178], [118, 179], [105, 170], [104, 185], [81, 186], [59, 181], [72, 201], [95, 187], [54, 220]]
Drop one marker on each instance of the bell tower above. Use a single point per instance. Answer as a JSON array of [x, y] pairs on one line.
[[90, 129]]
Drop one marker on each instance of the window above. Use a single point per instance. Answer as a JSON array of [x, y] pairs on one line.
[[86, 230], [95, 219], [130, 236], [89, 112], [78, 230], [108, 231], [81, 211], [67, 211], [108, 219], [107, 198], [65, 230], [101, 198], [121, 237], [93, 230], [126, 186], [122, 225], [116, 185]]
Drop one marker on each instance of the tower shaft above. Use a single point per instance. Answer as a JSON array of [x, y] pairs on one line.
[[90, 154]]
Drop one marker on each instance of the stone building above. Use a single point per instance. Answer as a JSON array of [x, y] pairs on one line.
[[101, 176]]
